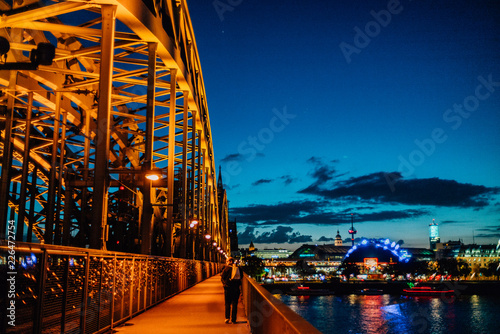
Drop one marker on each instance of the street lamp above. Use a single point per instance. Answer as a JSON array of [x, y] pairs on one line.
[[193, 223], [152, 177]]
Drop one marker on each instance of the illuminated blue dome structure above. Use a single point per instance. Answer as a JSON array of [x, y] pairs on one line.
[[383, 250]]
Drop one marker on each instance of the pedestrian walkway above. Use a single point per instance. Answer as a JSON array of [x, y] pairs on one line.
[[199, 309]]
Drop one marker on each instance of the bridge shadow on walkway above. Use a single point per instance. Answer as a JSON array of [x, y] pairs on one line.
[[199, 309]]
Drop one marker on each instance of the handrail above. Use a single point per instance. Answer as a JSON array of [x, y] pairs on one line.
[[63, 289], [266, 314]]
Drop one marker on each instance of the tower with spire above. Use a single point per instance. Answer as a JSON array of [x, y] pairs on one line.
[[338, 239], [352, 230], [433, 235]]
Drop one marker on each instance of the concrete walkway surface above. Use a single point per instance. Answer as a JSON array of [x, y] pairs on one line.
[[199, 309]]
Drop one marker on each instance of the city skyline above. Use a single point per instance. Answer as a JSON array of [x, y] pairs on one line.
[[387, 110]]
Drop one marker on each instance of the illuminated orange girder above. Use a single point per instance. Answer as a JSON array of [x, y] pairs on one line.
[[71, 103]]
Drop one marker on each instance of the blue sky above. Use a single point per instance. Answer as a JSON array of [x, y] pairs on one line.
[[389, 110]]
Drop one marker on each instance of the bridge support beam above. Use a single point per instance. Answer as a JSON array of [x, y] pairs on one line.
[[171, 162], [100, 202], [147, 219], [184, 203], [7, 157]]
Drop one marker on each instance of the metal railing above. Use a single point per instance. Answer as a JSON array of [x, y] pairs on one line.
[[56, 289], [266, 314]]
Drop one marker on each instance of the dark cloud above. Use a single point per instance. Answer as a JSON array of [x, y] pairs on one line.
[[287, 179], [284, 213], [390, 215], [348, 241], [233, 157], [247, 235], [325, 239], [237, 157], [322, 173], [488, 232], [446, 222], [311, 212], [379, 188], [488, 235], [261, 181], [279, 235]]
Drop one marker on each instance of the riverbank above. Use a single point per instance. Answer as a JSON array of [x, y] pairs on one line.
[[393, 288]]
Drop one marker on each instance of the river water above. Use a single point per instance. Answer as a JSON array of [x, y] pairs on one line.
[[381, 314]]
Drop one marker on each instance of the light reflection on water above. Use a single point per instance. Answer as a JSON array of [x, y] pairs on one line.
[[395, 314]]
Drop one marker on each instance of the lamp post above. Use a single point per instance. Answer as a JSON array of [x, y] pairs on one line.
[[192, 233], [208, 237]]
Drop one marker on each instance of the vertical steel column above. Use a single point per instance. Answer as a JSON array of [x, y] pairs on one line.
[[193, 166], [68, 206], [185, 132], [24, 177], [171, 161], [147, 219], [86, 158], [209, 216], [12, 215], [58, 225], [203, 190], [198, 181], [33, 192], [199, 203], [100, 202], [192, 213], [7, 157], [51, 196]]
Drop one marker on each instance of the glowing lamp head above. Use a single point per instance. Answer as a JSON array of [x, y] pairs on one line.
[[153, 177], [208, 236]]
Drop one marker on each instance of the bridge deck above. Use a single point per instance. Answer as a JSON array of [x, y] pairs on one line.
[[199, 309]]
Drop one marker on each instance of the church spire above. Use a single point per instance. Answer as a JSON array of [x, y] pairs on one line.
[[220, 186]]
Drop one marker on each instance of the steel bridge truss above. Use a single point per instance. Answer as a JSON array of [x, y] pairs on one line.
[[123, 99]]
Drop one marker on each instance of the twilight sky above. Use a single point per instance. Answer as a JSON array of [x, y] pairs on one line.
[[389, 110]]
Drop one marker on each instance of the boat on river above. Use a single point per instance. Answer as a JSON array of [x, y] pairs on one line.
[[423, 291], [369, 291], [307, 291]]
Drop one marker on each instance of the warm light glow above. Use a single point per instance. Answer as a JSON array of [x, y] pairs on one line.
[[193, 223], [370, 262], [152, 177], [207, 236], [214, 244]]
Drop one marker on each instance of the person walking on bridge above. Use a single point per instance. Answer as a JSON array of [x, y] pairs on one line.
[[231, 281]]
